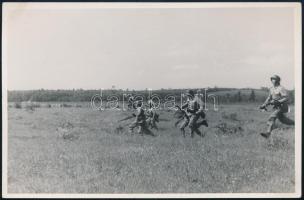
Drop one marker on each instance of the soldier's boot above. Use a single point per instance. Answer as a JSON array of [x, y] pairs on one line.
[[265, 135], [270, 128]]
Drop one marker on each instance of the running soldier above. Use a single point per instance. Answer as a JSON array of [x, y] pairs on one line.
[[278, 97], [152, 115], [140, 121], [194, 112]]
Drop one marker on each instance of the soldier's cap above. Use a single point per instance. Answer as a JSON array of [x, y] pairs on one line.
[[275, 77], [190, 93]]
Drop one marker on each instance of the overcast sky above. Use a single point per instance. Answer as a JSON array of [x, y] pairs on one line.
[[148, 48]]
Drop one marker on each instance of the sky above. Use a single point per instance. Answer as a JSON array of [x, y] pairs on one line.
[[147, 47]]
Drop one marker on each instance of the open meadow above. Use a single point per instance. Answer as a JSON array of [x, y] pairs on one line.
[[81, 150]]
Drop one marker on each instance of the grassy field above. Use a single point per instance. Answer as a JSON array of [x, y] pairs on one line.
[[81, 150]]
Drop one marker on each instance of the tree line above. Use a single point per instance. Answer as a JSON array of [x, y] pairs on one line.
[[222, 95]]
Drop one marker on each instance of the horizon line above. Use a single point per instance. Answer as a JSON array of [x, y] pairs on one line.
[[119, 89]]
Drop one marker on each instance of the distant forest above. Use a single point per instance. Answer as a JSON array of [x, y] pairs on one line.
[[223, 95]]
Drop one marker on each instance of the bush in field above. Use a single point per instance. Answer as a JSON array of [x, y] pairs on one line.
[[29, 107], [252, 96], [231, 116], [48, 105], [66, 105], [17, 105], [36, 105]]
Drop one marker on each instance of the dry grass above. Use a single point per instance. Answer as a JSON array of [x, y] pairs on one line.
[[80, 150]]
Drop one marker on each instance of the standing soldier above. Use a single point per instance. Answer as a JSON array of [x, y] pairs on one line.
[[277, 97], [194, 111], [140, 121]]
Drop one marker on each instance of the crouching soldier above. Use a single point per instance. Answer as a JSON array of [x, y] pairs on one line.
[[278, 98], [194, 112], [140, 121]]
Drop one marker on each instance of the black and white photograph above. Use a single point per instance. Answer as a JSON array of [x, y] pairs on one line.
[[155, 100]]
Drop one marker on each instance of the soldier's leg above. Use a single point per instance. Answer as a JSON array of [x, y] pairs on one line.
[[197, 131], [203, 115], [145, 129], [132, 126], [285, 120], [202, 121], [155, 125], [272, 119], [140, 129], [178, 121], [148, 131], [192, 124], [149, 122], [271, 122], [183, 125]]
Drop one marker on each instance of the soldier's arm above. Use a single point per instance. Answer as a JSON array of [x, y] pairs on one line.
[[153, 115], [268, 99], [138, 114], [284, 95], [200, 108], [185, 105]]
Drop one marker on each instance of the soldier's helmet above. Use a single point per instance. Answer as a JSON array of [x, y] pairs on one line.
[[190, 93], [275, 77]]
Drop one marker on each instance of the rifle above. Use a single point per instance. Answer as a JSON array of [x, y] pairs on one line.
[[276, 103], [126, 118], [180, 113], [263, 107]]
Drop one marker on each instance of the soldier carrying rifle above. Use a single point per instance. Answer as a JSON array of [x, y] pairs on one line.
[[194, 111], [140, 121], [278, 98]]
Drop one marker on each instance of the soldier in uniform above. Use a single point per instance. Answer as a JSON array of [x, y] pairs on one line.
[[140, 121], [152, 115], [194, 112], [201, 104], [278, 97], [131, 102]]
